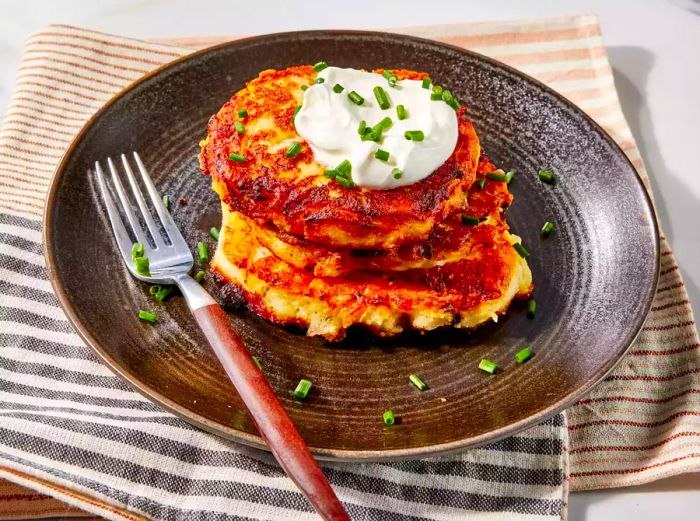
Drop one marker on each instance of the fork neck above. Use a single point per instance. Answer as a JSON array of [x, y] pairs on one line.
[[195, 295]]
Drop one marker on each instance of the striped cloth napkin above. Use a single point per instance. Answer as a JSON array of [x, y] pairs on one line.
[[75, 440]]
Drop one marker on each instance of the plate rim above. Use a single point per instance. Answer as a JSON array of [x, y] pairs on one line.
[[255, 440]]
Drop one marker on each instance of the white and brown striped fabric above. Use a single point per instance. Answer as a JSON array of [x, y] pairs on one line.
[[72, 431]]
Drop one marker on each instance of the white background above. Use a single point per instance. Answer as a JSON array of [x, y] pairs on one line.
[[654, 49]]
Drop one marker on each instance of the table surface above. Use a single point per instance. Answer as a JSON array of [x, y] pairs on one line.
[[653, 48]]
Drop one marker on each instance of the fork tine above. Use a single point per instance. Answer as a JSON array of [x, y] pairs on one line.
[[152, 226], [136, 227], [171, 228], [120, 233]]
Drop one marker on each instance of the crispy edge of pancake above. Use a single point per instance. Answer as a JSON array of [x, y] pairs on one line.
[[281, 305], [488, 204], [295, 196]]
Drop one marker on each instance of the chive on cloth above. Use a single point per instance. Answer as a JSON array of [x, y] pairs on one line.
[[76, 440]]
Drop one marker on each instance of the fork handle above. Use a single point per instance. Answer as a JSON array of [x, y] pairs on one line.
[[262, 403]]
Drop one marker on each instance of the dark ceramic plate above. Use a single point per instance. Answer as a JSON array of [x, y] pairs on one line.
[[595, 275]]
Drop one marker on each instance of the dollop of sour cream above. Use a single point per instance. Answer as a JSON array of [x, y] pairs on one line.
[[329, 122]]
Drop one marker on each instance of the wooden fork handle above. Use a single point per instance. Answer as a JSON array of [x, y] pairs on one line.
[[271, 419]]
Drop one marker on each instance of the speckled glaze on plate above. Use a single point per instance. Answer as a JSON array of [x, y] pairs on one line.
[[595, 275]]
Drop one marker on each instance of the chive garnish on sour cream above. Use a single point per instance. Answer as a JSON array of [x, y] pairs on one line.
[[390, 78], [356, 98], [382, 155], [401, 112], [414, 135], [382, 98]]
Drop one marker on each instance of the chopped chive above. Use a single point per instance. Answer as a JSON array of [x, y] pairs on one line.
[[242, 113], [239, 127], [302, 389], [356, 98], [531, 308], [487, 365], [344, 168], [481, 183], [546, 176], [148, 316], [389, 418], [468, 219], [385, 124], [338, 88], [454, 104], [425, 83], [214, 232], [401, 112], [523, 355], [547, 229], [199, 276], [137, 250], [296, 111], [437, 89], [397, 173], [320, 66], [257, 362], [522, 251], [344, 181], [154, 289], [414, 135], [361, 128], [142, 266], [382, 155], [370, 136], [304, 87], [510, 174], [319, 80], [416, 380], [435, 96], [164, 292], [166, 202], [203, 251], [447, 96], [495, 176], [331, 174], [293, 150], [382, 98], [390, 78], [236, 157]]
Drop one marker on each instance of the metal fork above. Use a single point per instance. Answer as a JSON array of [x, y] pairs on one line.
[[170, 263]]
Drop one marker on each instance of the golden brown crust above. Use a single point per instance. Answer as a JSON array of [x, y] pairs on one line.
[[295, 197], [442, 244]]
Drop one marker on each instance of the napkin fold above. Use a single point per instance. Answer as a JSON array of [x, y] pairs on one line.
[[74, 438]]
